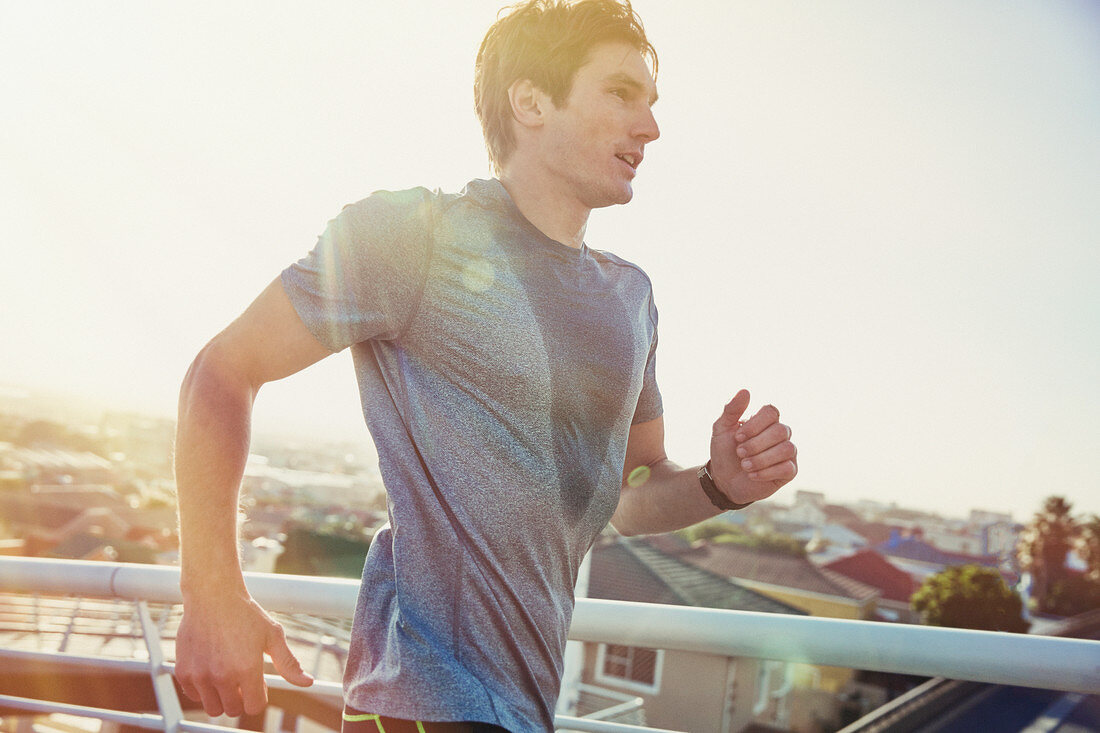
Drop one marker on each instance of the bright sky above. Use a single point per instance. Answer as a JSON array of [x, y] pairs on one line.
[[881, 217]]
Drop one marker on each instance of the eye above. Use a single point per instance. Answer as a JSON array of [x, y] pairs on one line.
[[621, 93]]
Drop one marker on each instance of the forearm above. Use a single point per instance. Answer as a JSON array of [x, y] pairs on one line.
[[669, 498], [212, 439], [224, 634]]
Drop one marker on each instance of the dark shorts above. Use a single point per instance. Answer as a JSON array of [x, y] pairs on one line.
[[356, 721]]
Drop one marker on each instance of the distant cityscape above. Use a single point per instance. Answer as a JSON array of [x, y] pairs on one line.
[[100, 487], [120, 463]]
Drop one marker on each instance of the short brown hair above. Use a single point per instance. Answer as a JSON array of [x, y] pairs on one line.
[[545, 41]]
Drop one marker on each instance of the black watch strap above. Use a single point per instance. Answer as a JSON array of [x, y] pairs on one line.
[[717, 498]]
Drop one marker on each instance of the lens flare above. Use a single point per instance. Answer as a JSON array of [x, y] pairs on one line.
[[638, 476]]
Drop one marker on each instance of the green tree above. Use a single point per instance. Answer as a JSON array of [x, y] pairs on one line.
[[773, 542], [969, 597], [722, 532], [709, 530], [1072, 595], [1043, 547], [1075, 593], [311, 551]]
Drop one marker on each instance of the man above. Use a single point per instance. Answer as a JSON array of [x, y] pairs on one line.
[[507, 377]]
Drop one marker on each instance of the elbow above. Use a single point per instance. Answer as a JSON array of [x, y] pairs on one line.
[[621, 521], [201, 374], [626, 530], [214, 374], [194, 375]]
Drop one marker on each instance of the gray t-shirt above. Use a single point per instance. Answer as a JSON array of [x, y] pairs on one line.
[[500, 372]]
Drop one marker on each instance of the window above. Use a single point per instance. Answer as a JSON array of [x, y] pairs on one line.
[[635, 668]]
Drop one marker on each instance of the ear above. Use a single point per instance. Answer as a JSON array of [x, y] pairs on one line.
[[529, 103]]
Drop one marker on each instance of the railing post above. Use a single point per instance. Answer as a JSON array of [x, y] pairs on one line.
[[163, 686], [37, 622], [162, 621], [318, 656], [64, 645]]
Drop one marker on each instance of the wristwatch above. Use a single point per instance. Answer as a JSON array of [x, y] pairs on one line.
[[717, 498]]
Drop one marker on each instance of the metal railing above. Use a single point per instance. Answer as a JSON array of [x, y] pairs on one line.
[[1071, 665]]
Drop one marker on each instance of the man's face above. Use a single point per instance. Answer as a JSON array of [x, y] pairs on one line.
[[594, 142]]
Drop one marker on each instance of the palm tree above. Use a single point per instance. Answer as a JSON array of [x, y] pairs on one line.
[[1088, 546], [1044, 544]]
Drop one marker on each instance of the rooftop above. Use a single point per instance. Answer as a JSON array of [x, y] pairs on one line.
[[871, 568], [630, 569], [730, 560]]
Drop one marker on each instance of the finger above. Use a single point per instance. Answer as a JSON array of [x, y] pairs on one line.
[[229, 692], [186, 687], [765, 416], [254, 692], [211, 701], [286, 664], [770, 437], [773, 456], [732, 412], [782, 472]]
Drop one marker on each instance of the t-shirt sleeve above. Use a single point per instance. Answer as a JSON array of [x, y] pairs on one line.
[[649, 401], [364, 278]]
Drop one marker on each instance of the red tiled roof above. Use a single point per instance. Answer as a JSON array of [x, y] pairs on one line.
[[873, 532], [871, 568]]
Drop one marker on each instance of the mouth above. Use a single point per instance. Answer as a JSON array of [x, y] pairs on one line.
[[631, 159]]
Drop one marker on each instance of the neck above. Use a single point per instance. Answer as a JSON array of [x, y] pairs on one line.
[[556, 214]]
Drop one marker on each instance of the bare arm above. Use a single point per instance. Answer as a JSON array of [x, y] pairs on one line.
[[224, 633], [665, 498], [750, 460]]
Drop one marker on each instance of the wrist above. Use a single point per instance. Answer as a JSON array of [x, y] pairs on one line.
[[211, 580], [716, 496]]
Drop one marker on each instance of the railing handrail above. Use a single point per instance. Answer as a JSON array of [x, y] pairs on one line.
[[1072, 665]]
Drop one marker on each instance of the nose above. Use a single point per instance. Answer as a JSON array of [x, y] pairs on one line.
[[647, 128]]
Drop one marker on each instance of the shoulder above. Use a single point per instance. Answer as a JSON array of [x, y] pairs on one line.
[[629, 279], [388, 218], [390, 206], [613, 263], [419, 204]]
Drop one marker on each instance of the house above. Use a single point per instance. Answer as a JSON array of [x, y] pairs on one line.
[[981, 517], [1000, 539], [91, 546], [835, 536], [921, 559], [954, 539], [808, 510], [788, 578], [24, 514], [45, 464], [874, 532], [998, 533], [725, 694], [791, 579], [48, 519], [840, 514], [895, 586]]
